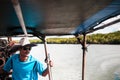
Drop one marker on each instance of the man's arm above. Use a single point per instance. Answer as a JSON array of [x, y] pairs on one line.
[[45, 72], [47, 69]]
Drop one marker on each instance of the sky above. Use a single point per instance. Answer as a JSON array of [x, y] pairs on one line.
[[112, 28]]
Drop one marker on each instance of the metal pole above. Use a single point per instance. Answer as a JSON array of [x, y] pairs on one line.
[[47, 60]]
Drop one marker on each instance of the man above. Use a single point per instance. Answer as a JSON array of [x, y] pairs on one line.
[[23, 65]]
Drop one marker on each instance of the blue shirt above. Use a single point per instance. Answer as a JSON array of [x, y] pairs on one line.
[[24, 70]]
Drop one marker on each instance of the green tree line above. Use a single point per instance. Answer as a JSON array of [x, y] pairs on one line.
[[109, 38]]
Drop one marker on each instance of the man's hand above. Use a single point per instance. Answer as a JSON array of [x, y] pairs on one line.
[[51, 63]]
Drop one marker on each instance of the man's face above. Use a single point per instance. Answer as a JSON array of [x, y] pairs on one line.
[[25, 51]]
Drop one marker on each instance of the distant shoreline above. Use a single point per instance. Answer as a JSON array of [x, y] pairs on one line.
[[110, 38]]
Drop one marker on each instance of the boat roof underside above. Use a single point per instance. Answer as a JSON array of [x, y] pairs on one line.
[[56, 17]]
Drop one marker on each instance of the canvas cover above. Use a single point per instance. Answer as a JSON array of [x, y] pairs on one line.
[[56, 17]]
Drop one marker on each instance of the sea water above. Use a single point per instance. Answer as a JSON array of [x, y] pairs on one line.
[[102, 61]]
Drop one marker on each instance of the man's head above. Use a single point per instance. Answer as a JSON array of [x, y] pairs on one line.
[[25, 47], [24, 42]]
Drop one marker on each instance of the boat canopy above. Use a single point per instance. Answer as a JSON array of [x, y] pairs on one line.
[[56, 17]]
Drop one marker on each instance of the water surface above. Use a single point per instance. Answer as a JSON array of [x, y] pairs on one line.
[[102, 61]]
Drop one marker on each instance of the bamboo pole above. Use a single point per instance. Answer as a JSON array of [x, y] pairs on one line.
[[84, 57], [47, 60], [83, 43]]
